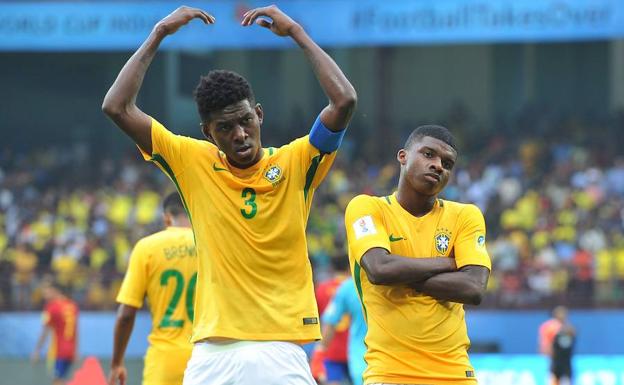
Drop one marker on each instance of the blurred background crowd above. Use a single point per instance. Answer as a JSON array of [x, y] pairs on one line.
[[553, 201]]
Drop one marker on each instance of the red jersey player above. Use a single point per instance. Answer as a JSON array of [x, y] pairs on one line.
[[60, 318], [334, 356]]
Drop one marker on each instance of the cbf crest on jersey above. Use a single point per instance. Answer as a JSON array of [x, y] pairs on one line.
[[273, 174], [442, 241]]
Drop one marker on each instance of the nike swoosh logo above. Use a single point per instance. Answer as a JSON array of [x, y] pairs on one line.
[[214, 167], [393, 239]]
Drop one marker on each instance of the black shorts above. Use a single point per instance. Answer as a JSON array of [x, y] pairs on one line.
[[561, 371]]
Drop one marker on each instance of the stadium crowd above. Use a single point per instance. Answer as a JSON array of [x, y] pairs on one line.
[[554, 212]]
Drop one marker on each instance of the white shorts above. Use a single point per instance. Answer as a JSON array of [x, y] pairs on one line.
[[248, 363]]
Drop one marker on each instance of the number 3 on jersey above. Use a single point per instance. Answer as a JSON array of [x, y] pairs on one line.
[[249, 195]]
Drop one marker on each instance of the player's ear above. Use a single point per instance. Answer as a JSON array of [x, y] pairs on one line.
[[167, 219], [402, 156], [259, 112], [206, 132]]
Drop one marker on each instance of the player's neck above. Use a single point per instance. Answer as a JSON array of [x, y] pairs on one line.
[[254, 162], [413, 202]]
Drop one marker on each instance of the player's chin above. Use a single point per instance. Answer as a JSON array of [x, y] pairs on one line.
[[431, 189], [245, 158]]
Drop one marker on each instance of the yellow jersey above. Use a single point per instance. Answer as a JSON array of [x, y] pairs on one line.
[[163, 267], [254, 277], [413, 338]]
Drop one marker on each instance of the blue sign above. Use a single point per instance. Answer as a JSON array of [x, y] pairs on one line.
[[497, 369], [101, 26]]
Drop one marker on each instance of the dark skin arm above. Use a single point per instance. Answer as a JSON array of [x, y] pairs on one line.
[[123, 329], [341, 94], [383, 268], [466, 285], [45, 332], [327, 332], [120, 101]]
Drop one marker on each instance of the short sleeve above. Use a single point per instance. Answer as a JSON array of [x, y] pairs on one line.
[[313, 165], [167, 149], [134, 285], [470, 246], [365, 226], [337, 308]]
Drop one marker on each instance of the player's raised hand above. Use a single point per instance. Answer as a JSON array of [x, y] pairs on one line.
[[118, 375], [280, 23], [181, 16]]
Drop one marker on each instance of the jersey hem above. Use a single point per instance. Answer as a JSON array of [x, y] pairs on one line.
[[129, 302], [419, 380], [300, 338], [475, 263]]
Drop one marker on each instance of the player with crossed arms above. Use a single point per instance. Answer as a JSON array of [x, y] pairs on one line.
[[416, 259]]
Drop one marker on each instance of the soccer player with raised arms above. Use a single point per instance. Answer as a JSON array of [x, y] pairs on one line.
[[416, 259], [163, 267], [248, 206]]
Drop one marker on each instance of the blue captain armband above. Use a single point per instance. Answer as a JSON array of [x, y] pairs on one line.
[[326, 140]]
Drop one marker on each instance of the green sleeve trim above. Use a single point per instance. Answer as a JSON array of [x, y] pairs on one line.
[[388, 199], [271, 150], [158, 159], [357, 270], [310, 175]]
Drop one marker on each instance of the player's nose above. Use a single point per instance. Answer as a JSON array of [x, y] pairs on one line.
[[240, 135], [436, 165]]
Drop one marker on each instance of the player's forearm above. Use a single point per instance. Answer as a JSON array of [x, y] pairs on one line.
[[458, 286], [123, 330], [327, 334], [341, 94], [41, 340], [383, 268], [123, 93]]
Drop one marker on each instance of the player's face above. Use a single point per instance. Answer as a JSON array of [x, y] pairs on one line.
[[236, 131], [47, 292], [426, 165]]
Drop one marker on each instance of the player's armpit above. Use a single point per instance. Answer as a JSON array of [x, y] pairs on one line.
[[119, 103], [466, 285], [135, 123], [383, 268]]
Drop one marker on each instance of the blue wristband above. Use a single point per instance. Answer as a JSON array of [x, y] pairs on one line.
[[326, 140]]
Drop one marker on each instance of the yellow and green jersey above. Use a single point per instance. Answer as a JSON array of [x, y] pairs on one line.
[[254, 277], [163, 267], [413, 338]]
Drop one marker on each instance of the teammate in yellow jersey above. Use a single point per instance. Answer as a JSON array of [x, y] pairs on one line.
[[415, 260], [163, 267], [248, 205]]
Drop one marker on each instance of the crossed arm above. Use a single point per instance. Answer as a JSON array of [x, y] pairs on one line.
[[437, 277]]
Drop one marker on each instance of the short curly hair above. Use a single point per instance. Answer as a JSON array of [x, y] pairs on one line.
[[219, 89], [434, 131]]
